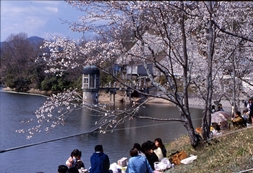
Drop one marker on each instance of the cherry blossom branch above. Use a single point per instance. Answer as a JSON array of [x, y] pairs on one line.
[[230, 33]]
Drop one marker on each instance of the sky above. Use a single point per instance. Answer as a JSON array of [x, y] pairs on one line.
[[37, 18]]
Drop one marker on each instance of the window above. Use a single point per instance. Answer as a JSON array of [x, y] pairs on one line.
[[85, 82]]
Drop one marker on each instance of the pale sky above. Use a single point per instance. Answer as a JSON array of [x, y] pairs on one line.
[[37, 18]]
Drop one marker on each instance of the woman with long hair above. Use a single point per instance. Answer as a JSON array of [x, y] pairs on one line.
[[159, 143]]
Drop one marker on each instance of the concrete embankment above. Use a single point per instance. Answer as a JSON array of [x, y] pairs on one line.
[[120, 97]]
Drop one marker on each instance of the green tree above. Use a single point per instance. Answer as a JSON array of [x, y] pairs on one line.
[[18, 59]]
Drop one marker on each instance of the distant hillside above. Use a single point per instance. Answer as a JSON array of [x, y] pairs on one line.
[[35, 40]]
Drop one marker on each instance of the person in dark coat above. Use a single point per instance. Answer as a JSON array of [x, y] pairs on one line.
[[99, 161], [72, 170], [148, 148], [62, 169], [250, 107]]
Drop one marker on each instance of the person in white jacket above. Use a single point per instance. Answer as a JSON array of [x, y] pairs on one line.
[[159, 144], [159, 153]]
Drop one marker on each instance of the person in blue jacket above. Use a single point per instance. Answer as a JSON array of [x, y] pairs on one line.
[[138, 163], [99, 161]]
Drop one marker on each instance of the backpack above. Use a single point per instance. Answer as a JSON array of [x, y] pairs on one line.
[[178, 156]]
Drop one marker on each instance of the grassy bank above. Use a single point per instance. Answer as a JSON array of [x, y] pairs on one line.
[[231, 152]]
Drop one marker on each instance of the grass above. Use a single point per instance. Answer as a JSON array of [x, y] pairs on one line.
[[230, 152]]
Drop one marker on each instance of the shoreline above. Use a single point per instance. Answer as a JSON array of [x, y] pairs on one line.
[[35, 93], [103, 96], [120, 98]]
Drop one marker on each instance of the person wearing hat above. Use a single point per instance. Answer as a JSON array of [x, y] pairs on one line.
[[99, 161]]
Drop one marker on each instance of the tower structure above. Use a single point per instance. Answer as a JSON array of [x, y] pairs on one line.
[[90, 84]]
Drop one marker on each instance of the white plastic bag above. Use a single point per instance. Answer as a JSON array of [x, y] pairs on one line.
[[166, 161], [189, 159], [164, 164], [114, 167]]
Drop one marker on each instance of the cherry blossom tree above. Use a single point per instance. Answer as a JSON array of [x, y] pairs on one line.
[[187, 44], [217, 44]]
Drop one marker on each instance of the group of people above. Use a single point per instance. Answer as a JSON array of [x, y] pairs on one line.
[[99, 162], [218, 107], [142, 159], [246, 117], [238, 119]]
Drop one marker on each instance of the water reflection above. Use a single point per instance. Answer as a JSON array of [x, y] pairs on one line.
[[46, 157]]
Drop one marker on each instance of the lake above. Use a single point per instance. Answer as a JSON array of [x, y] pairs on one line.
[[45, 157]]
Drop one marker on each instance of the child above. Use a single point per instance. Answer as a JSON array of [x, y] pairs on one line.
[[74, 156]]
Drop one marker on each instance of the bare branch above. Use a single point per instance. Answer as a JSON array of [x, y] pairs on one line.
[[230, 33], [160, 119]]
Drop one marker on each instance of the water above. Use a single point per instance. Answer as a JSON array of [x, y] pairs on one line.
[[46, 157]]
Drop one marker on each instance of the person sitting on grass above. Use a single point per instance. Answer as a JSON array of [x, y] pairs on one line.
[[72, 170], [238, 120], [138, 147], [100, 162], [159, 143], [138, 163], [245, 115], [75, 155], [148, 148], [62, 169]]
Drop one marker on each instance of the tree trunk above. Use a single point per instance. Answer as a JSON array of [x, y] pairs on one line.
[[185, 113], [206, 120], [194, 140]]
